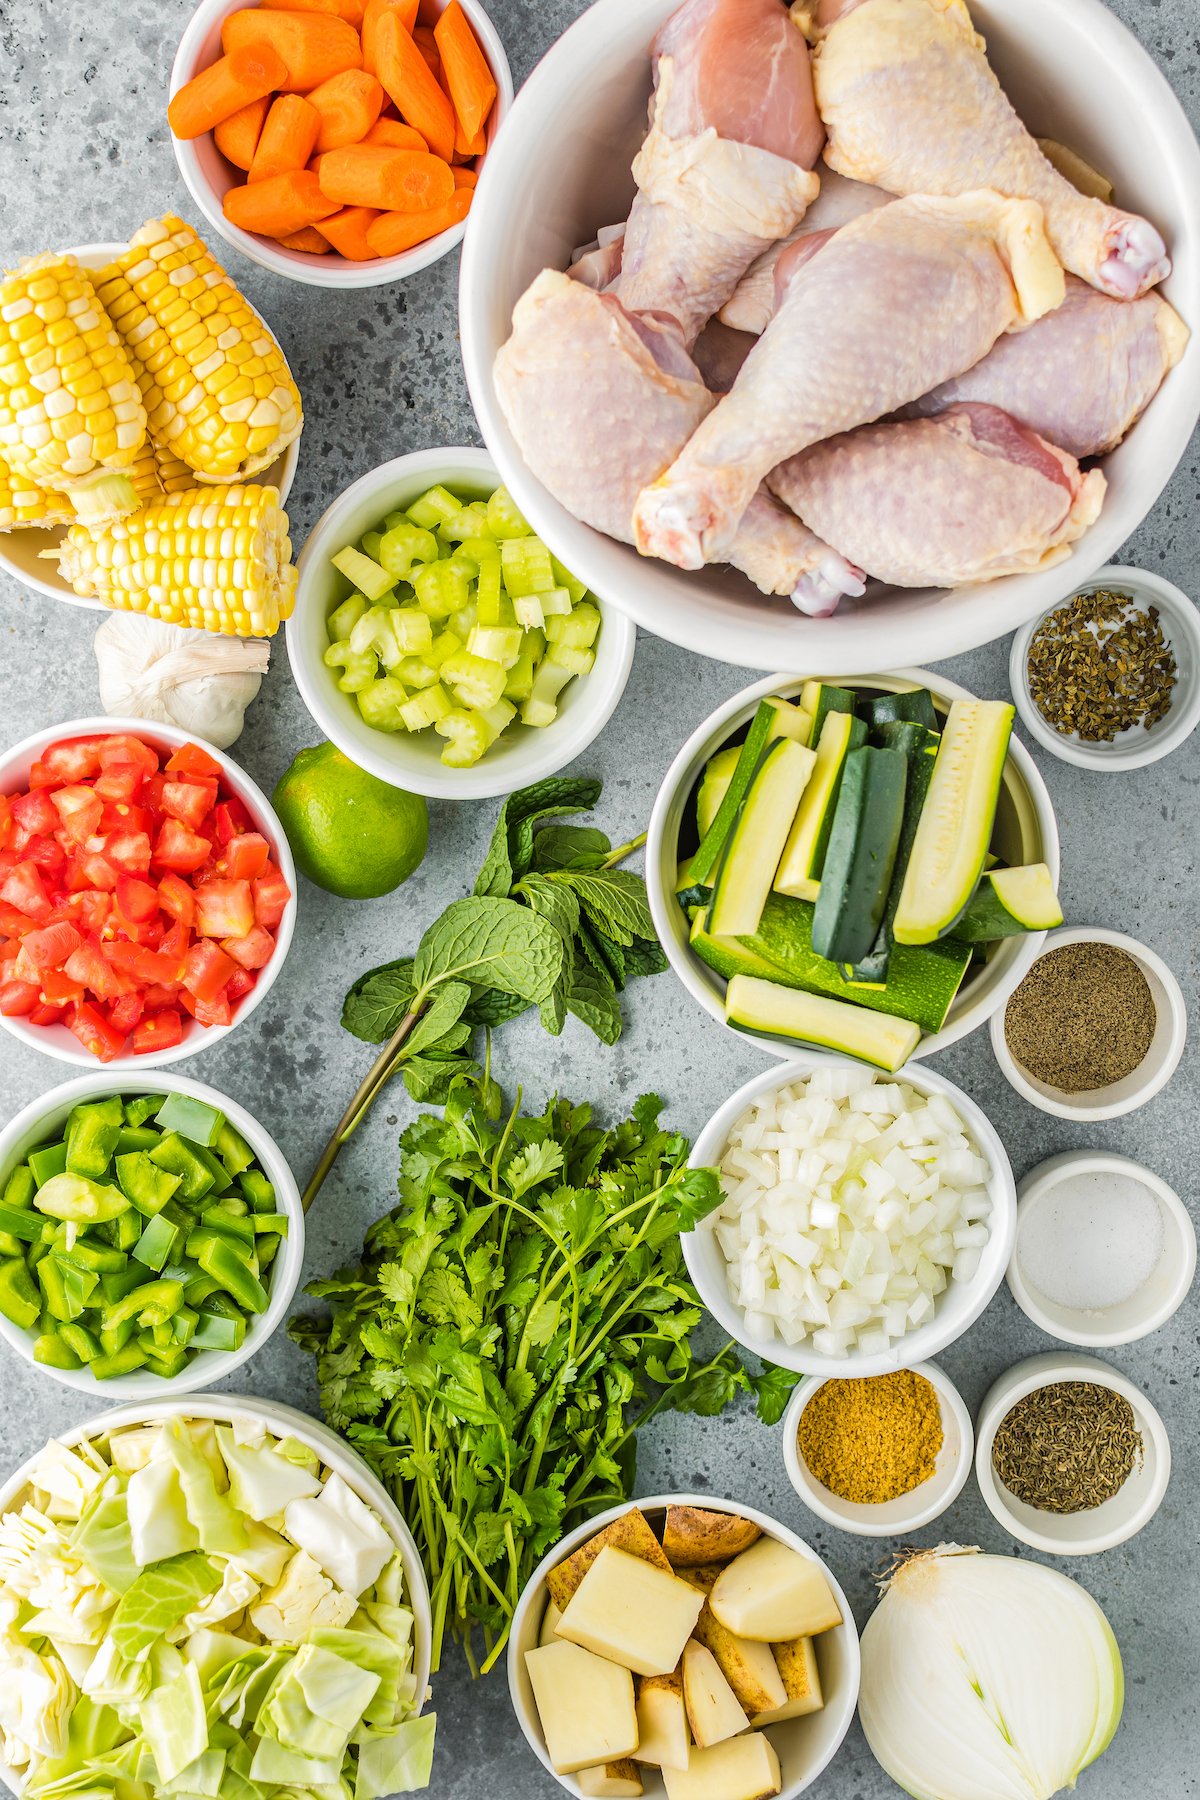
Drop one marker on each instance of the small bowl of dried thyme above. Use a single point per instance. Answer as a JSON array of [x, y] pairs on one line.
[[1070, 1456], [1109, 679], [1096, 1028]]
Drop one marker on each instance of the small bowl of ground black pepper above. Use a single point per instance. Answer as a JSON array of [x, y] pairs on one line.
[[882, 1455], [1110, 679], [1095, 1030], [1070, 1456]]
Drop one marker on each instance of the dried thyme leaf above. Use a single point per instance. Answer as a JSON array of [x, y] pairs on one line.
[[1100, 665]]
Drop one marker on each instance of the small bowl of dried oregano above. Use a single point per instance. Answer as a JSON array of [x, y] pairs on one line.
[[1109, 679]]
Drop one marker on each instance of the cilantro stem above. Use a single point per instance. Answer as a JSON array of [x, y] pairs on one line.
[[381, 1072]]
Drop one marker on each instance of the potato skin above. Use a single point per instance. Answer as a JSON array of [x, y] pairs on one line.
[[693, 1536], [630, 1533]]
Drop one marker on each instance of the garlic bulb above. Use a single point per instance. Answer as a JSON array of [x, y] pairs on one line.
[[193, 679]]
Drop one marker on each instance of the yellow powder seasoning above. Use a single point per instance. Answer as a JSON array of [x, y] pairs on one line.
[[872, 1440]]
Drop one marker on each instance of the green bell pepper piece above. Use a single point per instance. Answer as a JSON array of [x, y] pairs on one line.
[[119, 1362], [81, 1341], [137, 1137], [147, 1185], [77, 1197], [143, 1108], [92, 1133], [158, 1242], [241, 1225], [257, 1190], [19, 1188], [100, 1258], [227, 1260], [127, 1229], [151, 1304], [115, 1285], [10, 1245], [30, 1226], [48, 1161], [55, 1352], [179, 1158], [192, 1119], [184, 1323], [271, 1224], [67, 1290], [233, 1150], [167, 1361], [216, 1332], [201, 1288], [113, 1338], [19, 1297]]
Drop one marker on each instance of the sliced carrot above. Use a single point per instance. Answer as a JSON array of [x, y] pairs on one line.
[[224, 88], [467, 147], [279, 206], [347, 232], [418, 98], [350, 10], [314, 46], [465, 178], [426, 43], [287, 138], [372, 14], [390, 180], [237, 136], [307, 238], [395, 133], [348, 105], [465, 71], [397, 231]]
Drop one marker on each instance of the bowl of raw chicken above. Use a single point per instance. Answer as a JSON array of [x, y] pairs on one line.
[[870, 348]]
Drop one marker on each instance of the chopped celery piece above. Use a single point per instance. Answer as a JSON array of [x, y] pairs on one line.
[[577, 629], [365, 574], [489, 591], [476, 683], [556, 604], [494, 607], [404, 547], [520, 676], [504, 521], [435, 508], [541, 708], [382, 704], [565, 579], [530, 612], [578, 662], [496, 643], [412, 630], [446, 644], [415, 672], [526, 566], [484, 552], [467, 523], [467, 737], [443, 588], [344, 618], [369, 543], [499, 717], [374, 633], [426, 708], [357, 671]]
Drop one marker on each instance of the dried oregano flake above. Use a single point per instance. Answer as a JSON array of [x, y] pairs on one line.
[[1100, 665]]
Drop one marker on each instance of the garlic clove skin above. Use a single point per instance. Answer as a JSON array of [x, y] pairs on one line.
[[195, 680]]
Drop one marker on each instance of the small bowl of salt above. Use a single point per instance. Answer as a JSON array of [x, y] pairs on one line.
[[1105, 1251]]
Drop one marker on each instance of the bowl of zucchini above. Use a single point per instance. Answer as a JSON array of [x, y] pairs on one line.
[[867, 866]]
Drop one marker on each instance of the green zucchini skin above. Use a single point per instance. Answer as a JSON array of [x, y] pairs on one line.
[[707, 859], [823, 698], [914, 708], [861, 857], [989, 918], [919, 746]]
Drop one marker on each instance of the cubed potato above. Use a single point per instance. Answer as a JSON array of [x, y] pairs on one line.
[[701, 1575], [712, 1706], [614, 1781], [693, 1536], [797, 1665], [585, 1705], [631, 1612], [630, 1533], [747, 1666], [549, 1628], [774, 1594], [742, 1768], [663, 1735]]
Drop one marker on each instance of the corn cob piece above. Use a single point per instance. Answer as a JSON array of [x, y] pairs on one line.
[[24, 506], [215, 384], [158, 472], [71, 417], [215, 561]]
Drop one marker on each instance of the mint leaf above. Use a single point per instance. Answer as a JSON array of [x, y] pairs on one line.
[[569, 847], [492, 944], [550, 901], [491, 1007], [594, 1003], [613, 899], [430, 1078], [644, 957], [377, 1002], [444, 1011], [511, 847]]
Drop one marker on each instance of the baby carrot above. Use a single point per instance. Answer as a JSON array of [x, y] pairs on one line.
[[391, 180], [313, 46], [372, 13], [416, 95], [347, 232], [307, 238], [350, 10], [465, 72], [395, 133], [426, 43], [397, 231], [287, 138], [279, 206], [348, 105], [235, 80], [467, 147], [237, 136]]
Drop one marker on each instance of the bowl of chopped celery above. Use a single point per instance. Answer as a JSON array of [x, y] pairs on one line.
[[151, 1234], [440, 644], [234, 1583]]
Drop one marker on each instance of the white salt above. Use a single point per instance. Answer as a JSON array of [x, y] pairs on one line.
[[1092, 1241]]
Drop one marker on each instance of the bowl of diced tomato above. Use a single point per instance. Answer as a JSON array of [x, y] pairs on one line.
[[147, 893]]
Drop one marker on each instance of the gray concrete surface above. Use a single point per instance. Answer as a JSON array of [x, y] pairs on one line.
[[84, 155]]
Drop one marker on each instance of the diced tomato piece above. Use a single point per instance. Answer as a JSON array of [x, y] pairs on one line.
[[124, 1013], [151, 794], [58, 989], [18, 998], [44, 1013], [177, 941], [94, 1032], [253, 951], [46, 949], [122, 816], [224, 909], [89, 966], [207, 1012], [137, 899], [230, 818], [10, 949], [34, 815], [143, 964], [41, 775], [49, 856], [74, 759], [6, 819], [129, 851], [189, 801], [24, 888], [190, 759], [206, 969], [179, 849], [120, 782], [161, 1031], [12, 922], [80, 811], [240, 983], [89, 909], [156, 997], [271, 895], [92, 870], [120, 748], [176, 898], [246, 857]]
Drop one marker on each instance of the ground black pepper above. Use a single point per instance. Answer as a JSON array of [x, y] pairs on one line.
[[1068, 1447], [1101, 665], [1083, 1017]]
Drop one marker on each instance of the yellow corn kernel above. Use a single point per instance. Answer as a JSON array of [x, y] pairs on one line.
[[24, 505]]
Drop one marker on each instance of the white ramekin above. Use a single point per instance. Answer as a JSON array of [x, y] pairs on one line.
[[1073, 1534], [56, 1040], [413, 760], [805, 1746], [889, 1518], [1148, 1079], [44, 1117], [959, 1304]]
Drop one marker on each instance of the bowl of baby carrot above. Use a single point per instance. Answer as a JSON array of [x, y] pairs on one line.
[[338, 142]]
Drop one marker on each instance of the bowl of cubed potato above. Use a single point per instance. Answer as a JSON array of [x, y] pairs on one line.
[[684, 1646]]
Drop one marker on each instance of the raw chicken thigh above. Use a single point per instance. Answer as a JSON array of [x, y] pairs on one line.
[[968, 496], [1081, 375], [897, 301], [752, 306], [910, 102]]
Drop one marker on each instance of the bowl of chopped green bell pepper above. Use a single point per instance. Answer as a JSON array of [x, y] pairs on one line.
[[151, 1234]]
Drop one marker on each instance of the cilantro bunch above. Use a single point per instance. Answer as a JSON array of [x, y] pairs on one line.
[[511, 1326]]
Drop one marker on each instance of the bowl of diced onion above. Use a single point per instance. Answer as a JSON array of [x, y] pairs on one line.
[[396, 684], [867, 1221]]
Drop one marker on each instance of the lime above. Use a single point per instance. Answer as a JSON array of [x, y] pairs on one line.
[[351, 833]]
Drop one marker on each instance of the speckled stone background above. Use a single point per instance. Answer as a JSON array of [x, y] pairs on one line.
[[85, 156]]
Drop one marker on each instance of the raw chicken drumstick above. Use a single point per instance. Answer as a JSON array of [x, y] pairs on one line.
[[968, 496], [600, 399], [910, 103], [894, 303], [752, 305]]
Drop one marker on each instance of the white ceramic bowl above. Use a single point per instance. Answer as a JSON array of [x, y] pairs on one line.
[[209, 177], [413, 760], [890, 1518], [1159, 1297], [20, 551], [1103, 1527], [45, 1117], [957, 1307], [56, 1040], [1070, 67], [284, 1421], [1026, 832], [1135, 748], [1149, 1078], [805, 1746]]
